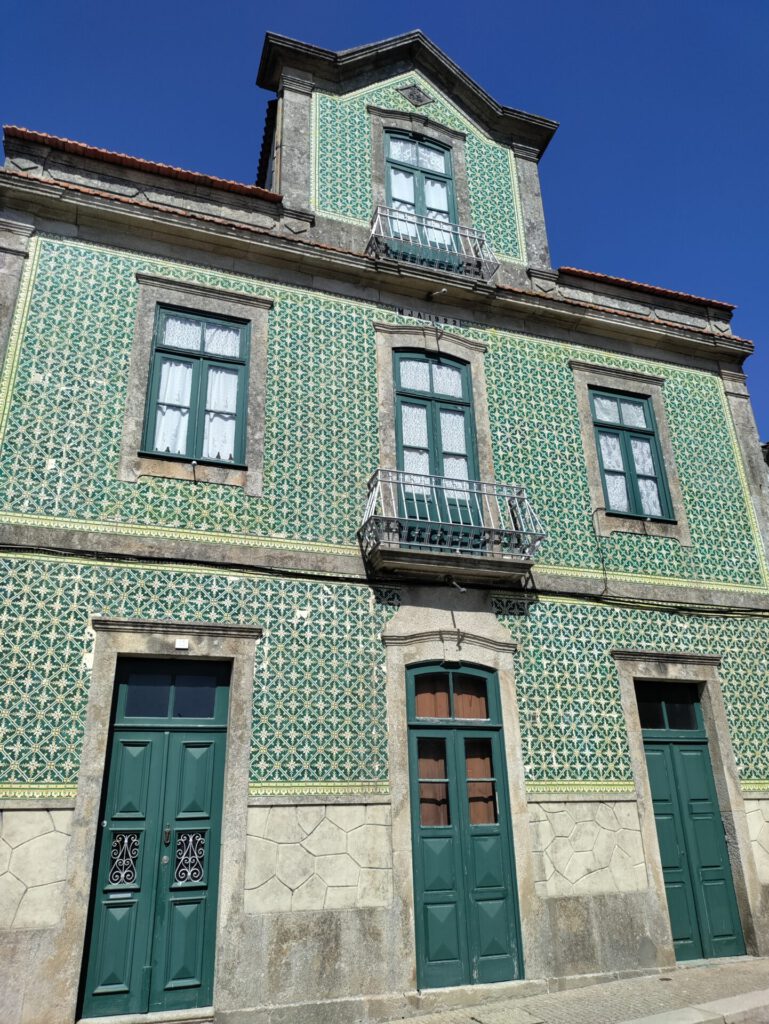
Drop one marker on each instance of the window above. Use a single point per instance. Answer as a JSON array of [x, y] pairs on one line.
[[419, 183], [632, 471], [196, 406]]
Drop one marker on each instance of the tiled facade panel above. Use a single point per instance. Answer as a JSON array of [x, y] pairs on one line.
[[319, 704], [342, 171], [572, 724], [63, 393], [319, 699]]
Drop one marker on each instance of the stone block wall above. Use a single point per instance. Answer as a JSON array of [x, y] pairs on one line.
[[318, 857], [757, 812], [587, 847], [33, 865]]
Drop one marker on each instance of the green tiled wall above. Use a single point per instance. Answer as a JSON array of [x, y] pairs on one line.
[[342, 165], [572, 725], [61, 416]]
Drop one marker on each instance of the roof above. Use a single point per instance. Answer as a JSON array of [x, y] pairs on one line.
[[650, 289], [138, 164], [337, 69]]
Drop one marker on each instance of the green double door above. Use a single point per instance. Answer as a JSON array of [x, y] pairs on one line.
[[464, 874], [153, 913], [703, 910]]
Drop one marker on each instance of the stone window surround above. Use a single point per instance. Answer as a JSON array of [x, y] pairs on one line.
[[249, 309], [702, 669], [434, 341], [587, 375], [422, 128], [135, 637]]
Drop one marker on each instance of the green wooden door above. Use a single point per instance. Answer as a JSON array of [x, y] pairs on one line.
[[153, 914], [464, 874], [703, 910]]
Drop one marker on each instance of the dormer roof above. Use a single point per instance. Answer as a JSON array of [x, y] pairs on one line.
[[345, 70]]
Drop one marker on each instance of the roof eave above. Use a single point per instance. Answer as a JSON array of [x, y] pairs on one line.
[[414, 47]]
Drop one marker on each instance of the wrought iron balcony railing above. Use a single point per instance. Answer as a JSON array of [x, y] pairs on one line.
[[435, 524], [427, 241]]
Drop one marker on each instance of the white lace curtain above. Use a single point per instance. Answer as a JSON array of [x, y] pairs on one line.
[[173, 412], [221, 406]]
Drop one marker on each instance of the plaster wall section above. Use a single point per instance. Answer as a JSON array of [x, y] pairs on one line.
[[757, 813], [318, 857], [34, 845], [587, 847]]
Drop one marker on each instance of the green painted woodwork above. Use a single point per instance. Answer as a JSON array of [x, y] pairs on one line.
[[201, 364], [466, 911], [66, 376], [703, 910], [627, 421], [153, 918], [341, 178], [435, 435]]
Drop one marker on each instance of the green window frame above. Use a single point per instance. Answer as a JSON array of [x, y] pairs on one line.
[[629, 456], [196, 395], [425, 163]]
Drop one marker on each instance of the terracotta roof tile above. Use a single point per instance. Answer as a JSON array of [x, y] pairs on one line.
[[638, 286], [138, 164]]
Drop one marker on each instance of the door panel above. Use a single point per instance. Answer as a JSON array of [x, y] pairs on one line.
[[152, 928], [463, 864], [185, 918], [698, 881]]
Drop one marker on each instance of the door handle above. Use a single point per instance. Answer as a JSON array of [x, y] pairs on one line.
[[167, 835]]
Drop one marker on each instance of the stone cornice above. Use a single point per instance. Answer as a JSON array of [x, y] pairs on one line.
[[179, 629], [634, 376], [206, 290], [458, 637], [413, 117], [433, 333], [204, 232], [667, 657]]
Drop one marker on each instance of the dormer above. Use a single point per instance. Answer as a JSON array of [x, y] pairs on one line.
[[398, 154]]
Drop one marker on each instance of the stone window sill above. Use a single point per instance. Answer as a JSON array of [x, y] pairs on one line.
[[144, 464]]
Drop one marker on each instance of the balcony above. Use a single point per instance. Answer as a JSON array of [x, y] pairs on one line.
[[426, 241], [434, 526]]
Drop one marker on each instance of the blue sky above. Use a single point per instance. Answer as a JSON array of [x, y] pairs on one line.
[[658, 172]]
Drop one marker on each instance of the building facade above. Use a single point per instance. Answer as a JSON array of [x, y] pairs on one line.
[[385, 612]]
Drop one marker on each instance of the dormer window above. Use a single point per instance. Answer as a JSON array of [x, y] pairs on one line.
[[419, 183]]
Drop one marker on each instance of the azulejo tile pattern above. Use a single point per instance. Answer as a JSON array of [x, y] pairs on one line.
[[67, 375], [572, 725], [342, 142], [319, 704]]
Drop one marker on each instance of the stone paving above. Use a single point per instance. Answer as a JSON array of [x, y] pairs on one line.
[[730, 991]]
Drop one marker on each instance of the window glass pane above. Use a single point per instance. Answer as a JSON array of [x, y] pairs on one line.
[[432, 695], [650, 712], [680, 706], [642, 456], [633, 414], [606, 409], [470, 699], [221, 404], [414, 425], [147, 695], [433, 796], [650, 497], [194, 697], [436, 196], [403, 150], [415, 375], [182, 332], [402, 186], [432, 159], [172, 415], [480, 794], [455, 468], [222, 341], [447, 380], [453, 432], [611, 452], [616, 490]]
